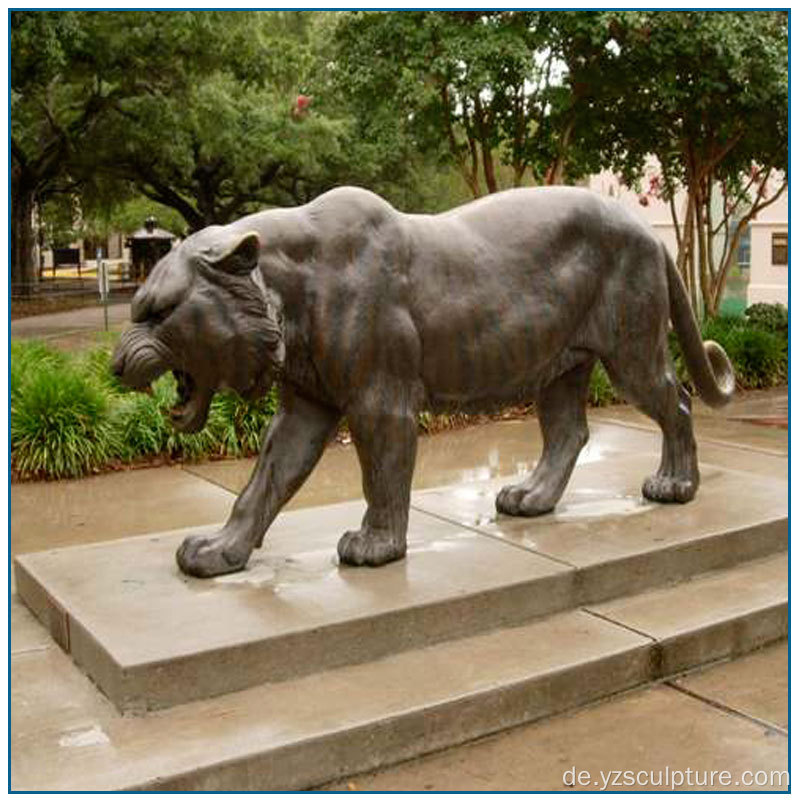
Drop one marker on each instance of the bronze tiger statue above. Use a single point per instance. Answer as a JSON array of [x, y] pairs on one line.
[[360, 311]]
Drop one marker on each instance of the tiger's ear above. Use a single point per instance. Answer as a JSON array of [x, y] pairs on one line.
[[238, 255]]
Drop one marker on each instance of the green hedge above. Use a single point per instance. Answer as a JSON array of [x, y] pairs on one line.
[[757, 344], [71, 417]]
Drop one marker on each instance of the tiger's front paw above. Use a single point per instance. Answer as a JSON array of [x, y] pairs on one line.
[[370, 548]]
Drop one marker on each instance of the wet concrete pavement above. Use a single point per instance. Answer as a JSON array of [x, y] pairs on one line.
[[128, 503], [639, 736], [732, 716]]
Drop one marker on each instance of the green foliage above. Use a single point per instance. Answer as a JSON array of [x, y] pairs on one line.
[[70, 416], [103, 216], [221, 136], [601, 391], [240, 423], [96, 365], [469, 87], [687, 87], [142, 425], [773, 317], [59, 424], [760, 355], [27, 358]]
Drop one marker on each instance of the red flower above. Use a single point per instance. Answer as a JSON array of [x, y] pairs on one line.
[[301, 106]]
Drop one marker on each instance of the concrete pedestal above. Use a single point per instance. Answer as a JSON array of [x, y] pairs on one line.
[[151, 637]]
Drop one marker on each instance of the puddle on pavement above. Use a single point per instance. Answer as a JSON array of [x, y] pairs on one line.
[[587, 504], [277, 572], [84, 737]]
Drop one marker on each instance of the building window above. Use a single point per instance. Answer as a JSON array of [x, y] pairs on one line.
[[743, 250], [780, 249]]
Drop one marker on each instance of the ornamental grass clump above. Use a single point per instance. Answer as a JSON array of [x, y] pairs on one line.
[[25, 358], [240, 423], [186, 446], [59, 423], [96, 365], [146, 431], [141, 424]]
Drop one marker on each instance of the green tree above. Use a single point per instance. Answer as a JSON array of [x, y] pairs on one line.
[[218, 143], [706, 92], [475, 87], [46, 117], [70, 70]]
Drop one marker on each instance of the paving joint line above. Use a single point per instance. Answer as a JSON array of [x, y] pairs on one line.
[[771, 726], [700, 438], [464, 525], [27, 650], [618, 624], [219, 485]]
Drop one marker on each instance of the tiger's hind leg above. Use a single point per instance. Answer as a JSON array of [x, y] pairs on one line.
[[561, 407], [647, 378]]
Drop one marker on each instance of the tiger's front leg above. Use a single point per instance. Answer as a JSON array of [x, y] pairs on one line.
[[292, 446], [385, 436]]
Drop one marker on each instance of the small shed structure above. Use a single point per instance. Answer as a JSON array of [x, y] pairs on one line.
[[148, 245]]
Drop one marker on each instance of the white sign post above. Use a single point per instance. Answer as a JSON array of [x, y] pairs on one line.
[[102, 284]]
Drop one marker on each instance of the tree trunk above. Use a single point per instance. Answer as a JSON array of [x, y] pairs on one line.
[[482, 125], [702, 253], [488, 168], [688, 263], [23, 268], [555, 172]]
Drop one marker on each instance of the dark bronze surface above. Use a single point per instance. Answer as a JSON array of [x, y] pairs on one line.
[[360, 311]]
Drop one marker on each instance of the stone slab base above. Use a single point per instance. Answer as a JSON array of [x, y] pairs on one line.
[[304, 732], [152, 638]]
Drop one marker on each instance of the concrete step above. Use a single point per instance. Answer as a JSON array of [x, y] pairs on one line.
[[153, 638], [304, 732]]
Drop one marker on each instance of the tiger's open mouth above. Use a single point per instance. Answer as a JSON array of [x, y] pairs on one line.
[[139, 359], [190, 412]]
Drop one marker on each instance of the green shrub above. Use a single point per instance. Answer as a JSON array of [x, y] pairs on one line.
[[26, 358], [141, 424], [601, 391], [96, 364], [240, 423], [188, 446], [70, 416], [772, 317], [59, 424], [759, 355]]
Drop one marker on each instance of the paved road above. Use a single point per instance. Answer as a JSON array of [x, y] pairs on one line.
[[71, 329]]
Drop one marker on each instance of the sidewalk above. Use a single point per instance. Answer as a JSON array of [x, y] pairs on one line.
[[72, 330], [731, 716], [132, 502]]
